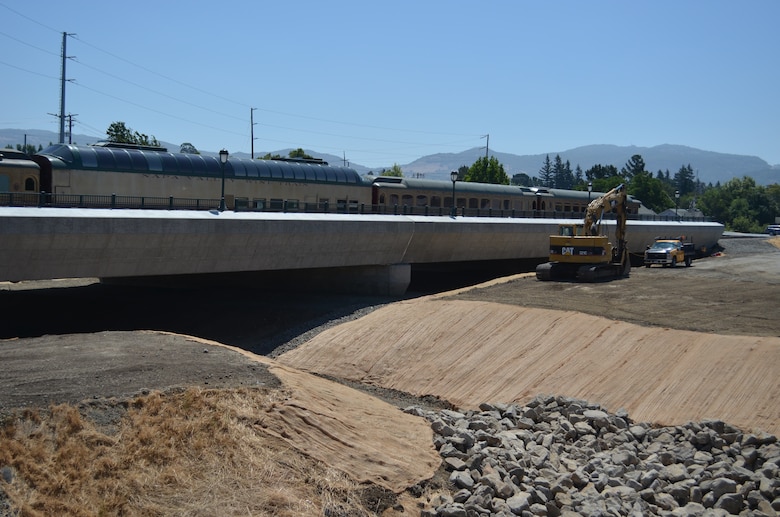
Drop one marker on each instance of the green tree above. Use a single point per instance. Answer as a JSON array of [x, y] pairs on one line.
[[684, 180], [395, 170], [563, 177], [600, 172], [300, 153], [521, 179], [490, 171], [188, 148], [546, 174], [633, 167], [651, 191], [118, 132]]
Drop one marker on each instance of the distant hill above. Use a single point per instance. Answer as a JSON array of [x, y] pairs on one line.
[[711, 166]]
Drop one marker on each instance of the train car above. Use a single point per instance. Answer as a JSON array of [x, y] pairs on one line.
[[18, 173], [154, 172], [411, 195], [292, 185]]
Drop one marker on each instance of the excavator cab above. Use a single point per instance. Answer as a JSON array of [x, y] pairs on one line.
[[580, 252]]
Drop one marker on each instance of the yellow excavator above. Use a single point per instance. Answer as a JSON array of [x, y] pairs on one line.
[[581, 252]]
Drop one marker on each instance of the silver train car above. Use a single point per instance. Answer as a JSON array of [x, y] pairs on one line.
[[148, 173]]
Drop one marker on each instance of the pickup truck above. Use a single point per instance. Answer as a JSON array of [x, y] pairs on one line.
[[670, 252]]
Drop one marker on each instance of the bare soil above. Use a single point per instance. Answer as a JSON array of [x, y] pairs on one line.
[[666, 344]]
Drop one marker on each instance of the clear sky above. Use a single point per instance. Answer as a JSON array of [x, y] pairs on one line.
[[388, 82]]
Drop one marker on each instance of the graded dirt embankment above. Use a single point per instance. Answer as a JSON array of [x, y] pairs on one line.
[[473, 352], [468, 349]]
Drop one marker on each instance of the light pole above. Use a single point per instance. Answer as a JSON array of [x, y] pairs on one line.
[[676, 203], [223, 156], [454, 178], [590, 188]]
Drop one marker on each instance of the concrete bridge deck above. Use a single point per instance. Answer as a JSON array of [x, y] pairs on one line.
[[375, 251]]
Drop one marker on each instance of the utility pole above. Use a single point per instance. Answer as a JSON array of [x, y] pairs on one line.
[[70, 126], [62, 86], [252, 129], [487, 146]]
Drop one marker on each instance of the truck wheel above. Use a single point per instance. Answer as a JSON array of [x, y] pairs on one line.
[[674, 262]]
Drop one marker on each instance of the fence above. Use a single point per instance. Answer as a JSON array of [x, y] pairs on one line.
[[46, 199]]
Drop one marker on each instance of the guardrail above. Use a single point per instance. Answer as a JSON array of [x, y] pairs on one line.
[[47, 199]]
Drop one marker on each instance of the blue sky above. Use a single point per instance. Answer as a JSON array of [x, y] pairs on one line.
[[385, 83]]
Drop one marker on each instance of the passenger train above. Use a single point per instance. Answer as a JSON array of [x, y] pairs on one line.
[[109, 169]]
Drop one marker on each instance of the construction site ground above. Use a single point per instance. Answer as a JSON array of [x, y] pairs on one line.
[[669, 345]]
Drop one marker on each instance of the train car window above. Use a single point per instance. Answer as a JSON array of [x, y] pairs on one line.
[[88, 158], [507, 205], [105, 158], [473, 202], [236, 167], [276, 204], [485, 203], [200, 166], [393, 199], [169, 163], [292, 204], [258, 204], [184, 163], [153, 160], [276, 171], [435, 201], [29, 185], [299, 171], [122, 159], [406, 200], [422, 200], [139, 161]]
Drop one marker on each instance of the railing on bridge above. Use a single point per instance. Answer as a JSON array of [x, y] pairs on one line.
[[47, 199]]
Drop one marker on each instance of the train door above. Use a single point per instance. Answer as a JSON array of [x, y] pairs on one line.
[[45, 172]]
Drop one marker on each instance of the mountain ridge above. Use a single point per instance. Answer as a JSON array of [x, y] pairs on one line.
[[710, 166]]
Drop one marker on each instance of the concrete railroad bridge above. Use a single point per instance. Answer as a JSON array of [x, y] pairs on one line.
[[368, 253]]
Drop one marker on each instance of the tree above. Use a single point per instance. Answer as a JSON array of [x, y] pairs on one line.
[[546, 174], [684, 180], [395, 170], [633, 167], [490, 171], [300, 153], [522, 179], [651, 191], [599, 172], [188, 148], [118, 132], [562, 175]]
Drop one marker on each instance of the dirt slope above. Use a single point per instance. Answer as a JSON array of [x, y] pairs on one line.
[[473, 352], [468, 349]]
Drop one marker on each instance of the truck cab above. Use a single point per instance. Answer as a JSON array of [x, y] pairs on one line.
[[670, 252]]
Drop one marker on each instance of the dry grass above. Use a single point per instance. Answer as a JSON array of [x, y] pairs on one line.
[[197, 452]]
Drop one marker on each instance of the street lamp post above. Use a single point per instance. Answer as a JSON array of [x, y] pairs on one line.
[[223, 157], [590, 188], [676, 203], [454, 178]]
